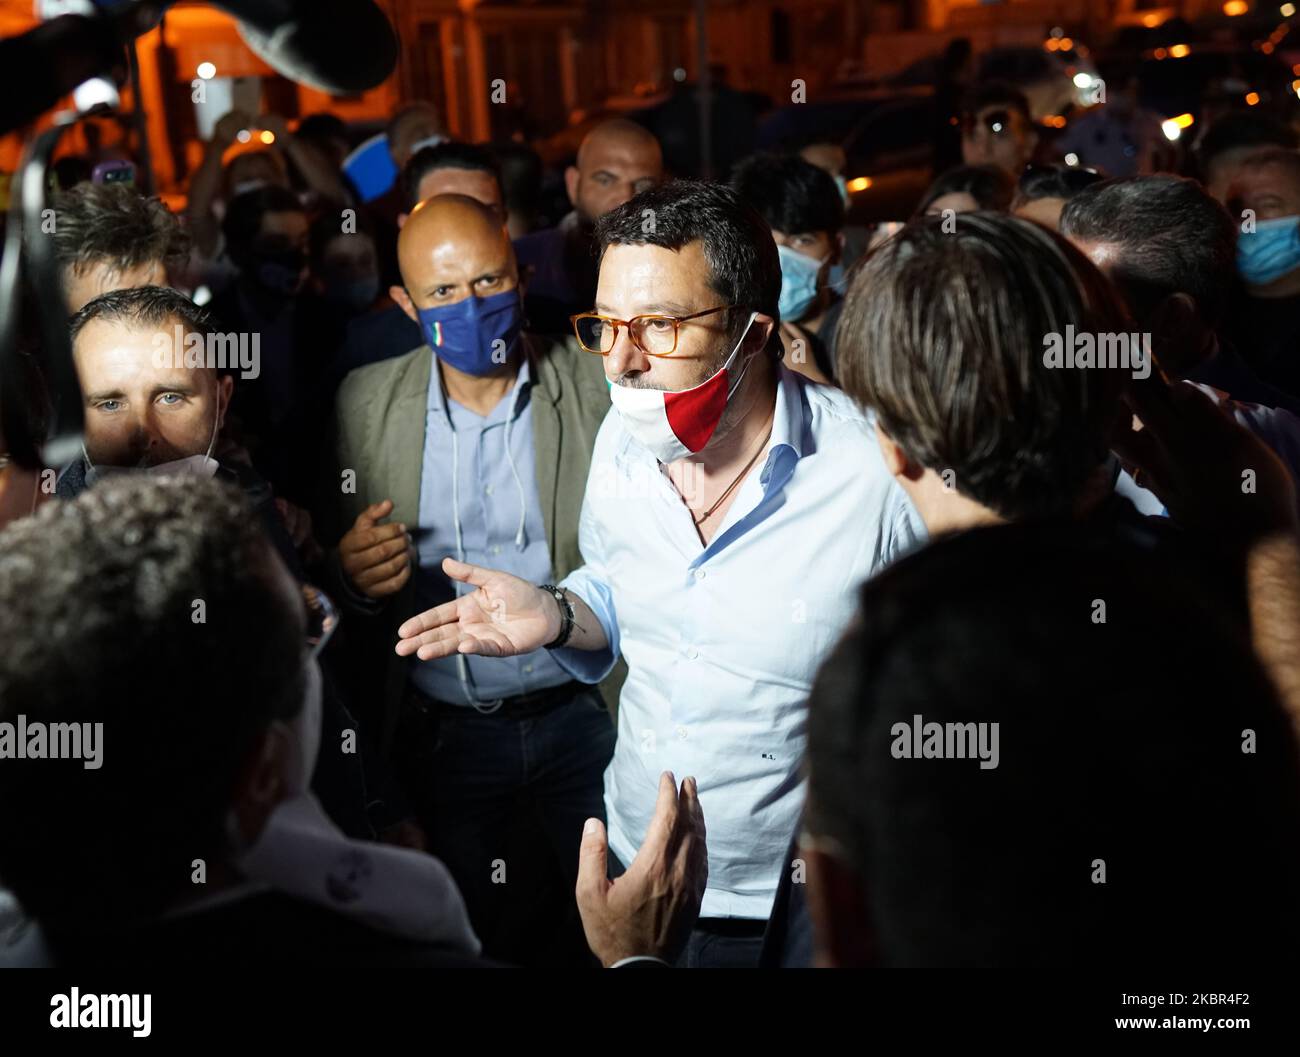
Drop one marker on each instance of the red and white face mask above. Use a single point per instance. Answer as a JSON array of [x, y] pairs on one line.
[[673, 425]]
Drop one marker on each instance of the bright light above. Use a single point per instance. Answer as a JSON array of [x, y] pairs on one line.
[[243, 135], [1071, 159], [1233, 8], [1153, 20], [1179, 51], [1287, 10], [267, 137], [1082, 80], [1051, 44], [1173, 128], [1252, 98], [859, 183], [206, 70], [1066, 43], [1160, 53]]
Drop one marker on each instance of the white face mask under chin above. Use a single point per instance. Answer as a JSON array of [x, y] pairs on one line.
[[645, 414]]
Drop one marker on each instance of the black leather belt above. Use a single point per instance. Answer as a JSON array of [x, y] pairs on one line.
[[520, 706]]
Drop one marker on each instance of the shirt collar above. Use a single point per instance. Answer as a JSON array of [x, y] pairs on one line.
[[787, 431], [437, 399]]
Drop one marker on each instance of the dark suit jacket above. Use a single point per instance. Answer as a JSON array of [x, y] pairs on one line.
[[263, 931]]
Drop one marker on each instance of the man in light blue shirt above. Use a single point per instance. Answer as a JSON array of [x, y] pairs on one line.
[[474, 445], [731, 512]]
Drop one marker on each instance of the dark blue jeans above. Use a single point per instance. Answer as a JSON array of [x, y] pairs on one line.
[[503, 800]]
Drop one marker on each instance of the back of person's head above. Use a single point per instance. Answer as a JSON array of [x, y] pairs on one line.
[[988, 187], [1053, 181], [114, 229], [155, 607], [943, 335], [243, 220], [1161, 235], [450, 155], [1143, 785], [791, 194]]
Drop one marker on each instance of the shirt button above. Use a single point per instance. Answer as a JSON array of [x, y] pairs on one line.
[[488, 489], [681, 733], [692, 653], [496, 549], [699, 574], [527, 668]]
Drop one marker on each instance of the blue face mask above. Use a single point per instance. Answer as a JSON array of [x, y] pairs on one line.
[[798, 283], [1271, 251], [476, 335]]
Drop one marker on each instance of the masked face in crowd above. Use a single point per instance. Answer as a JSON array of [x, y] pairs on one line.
[[710, 355], [461, 284], [277, 260], [1270, 192], [144, 407], [348, 272], [806, 260]]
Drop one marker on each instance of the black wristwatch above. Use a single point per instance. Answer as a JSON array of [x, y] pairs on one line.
[[566, 616]]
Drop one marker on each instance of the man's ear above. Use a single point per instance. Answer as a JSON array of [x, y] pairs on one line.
[[571, 178], [760, 332], [896, 460], [842, 934], [403, 301], [225, 387], [261, 784]]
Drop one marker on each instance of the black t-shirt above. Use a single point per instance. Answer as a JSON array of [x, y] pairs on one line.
[[1266, 332]]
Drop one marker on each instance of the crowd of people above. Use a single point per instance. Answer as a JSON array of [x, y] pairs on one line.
[[695, 578]]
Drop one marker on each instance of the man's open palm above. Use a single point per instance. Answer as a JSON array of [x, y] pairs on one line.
[[503, 617]]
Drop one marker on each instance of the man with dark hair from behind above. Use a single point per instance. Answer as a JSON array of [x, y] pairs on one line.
[[802, 205], [968, 189], [917, 860], [1086, 841], [942, 340], [109, 236], [196, 841], [1043, 191]]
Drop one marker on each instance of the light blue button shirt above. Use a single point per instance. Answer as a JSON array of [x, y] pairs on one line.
[[722, 642], [487, 499]]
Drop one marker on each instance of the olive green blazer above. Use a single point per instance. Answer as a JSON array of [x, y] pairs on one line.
[[377, 454]]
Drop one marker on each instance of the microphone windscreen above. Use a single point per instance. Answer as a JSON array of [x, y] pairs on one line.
[[337, 46]]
